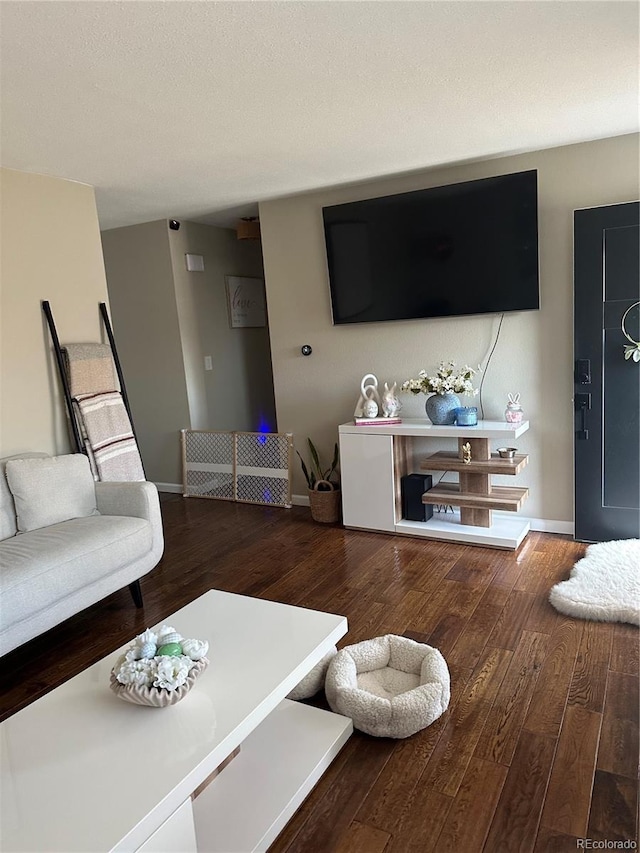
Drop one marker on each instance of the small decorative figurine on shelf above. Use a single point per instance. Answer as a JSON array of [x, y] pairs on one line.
[[513, 413], [368, 394], [466, 452], [390, 403]]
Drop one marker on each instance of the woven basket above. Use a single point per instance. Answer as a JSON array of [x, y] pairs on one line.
[[325, 502]]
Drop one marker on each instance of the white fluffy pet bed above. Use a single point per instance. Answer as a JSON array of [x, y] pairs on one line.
[[314, 679], [390, 686], [604, 585]]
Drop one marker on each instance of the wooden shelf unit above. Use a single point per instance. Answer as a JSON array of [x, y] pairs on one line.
[[475, 495], [449, 460], [506, 498], [375, 458]]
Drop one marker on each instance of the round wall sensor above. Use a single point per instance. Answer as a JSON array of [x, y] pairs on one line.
[[306, 350]]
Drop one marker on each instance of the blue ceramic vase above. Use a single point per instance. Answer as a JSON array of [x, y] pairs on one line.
[[441, 408]]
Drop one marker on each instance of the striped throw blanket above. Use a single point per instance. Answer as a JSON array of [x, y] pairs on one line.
[[110, 437]]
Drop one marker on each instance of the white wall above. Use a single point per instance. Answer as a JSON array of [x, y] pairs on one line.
[[237, 394], [145, 325], [534, 355], [167, 319], [51, 250]]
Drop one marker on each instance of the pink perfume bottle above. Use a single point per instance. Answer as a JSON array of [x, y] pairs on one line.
[[513, 413]]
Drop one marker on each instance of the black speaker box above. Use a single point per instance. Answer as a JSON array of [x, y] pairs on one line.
[[412, 487]]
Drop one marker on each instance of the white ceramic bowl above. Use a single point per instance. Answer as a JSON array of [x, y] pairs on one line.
[[157, 697]]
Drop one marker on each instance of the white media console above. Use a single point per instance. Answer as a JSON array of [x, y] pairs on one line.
[[374, 458]]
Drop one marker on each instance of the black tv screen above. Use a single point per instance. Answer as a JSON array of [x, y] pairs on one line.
[[469, 248]]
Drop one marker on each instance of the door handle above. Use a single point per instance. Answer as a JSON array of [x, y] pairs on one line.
[[582, 405]]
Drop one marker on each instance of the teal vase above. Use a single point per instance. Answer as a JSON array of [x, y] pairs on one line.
[[441, 408]]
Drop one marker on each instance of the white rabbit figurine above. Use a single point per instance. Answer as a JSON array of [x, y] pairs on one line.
[[390, 402]]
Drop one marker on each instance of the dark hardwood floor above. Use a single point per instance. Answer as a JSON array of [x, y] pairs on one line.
[[539, 746]]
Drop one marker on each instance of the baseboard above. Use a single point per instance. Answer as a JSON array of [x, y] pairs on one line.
[[174, 488], [546, 525], [543, 525], [540, 525]]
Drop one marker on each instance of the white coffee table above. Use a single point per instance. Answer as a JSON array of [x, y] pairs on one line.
[[83, 771]]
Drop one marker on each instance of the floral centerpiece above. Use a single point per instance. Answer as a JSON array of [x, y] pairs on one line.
[[445, 384], [159, 667]]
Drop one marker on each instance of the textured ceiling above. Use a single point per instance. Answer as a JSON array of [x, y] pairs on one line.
[[197, 109]]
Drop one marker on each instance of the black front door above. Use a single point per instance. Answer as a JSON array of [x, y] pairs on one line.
[[607, 385]]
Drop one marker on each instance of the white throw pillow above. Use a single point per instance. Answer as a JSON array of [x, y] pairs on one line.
[[47, 491]]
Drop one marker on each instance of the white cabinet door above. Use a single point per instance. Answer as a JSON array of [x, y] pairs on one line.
[[366, 475]]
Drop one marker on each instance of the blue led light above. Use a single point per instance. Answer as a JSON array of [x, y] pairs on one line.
[[264, 428]]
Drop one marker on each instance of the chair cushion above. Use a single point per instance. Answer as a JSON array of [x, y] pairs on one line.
[[8, 525], [51, 490], [39, 569]]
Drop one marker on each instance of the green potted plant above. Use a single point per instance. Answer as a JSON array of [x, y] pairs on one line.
[[324, 488]]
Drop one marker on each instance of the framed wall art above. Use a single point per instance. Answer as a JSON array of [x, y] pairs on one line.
[[246, 302]]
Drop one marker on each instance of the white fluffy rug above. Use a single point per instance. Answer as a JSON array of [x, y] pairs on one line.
[[604, 585]]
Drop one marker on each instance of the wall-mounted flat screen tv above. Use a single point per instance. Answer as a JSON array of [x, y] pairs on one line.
[[468, 248]]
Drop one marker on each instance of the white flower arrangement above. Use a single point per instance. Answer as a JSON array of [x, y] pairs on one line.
[[162, 659], [444, 381]]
